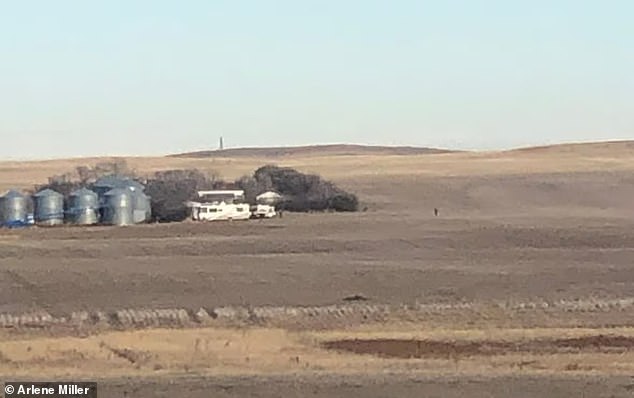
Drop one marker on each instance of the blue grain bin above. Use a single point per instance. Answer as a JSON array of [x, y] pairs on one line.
[[13, 209]]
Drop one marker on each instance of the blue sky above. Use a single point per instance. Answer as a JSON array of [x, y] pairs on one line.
[[140, 77]]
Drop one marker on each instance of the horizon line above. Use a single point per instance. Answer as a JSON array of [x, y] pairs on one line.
[[421, 147]]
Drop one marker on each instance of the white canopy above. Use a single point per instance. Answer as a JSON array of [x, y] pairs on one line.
[[269, 195]]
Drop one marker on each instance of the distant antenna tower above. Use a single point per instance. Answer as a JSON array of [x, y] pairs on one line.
[[222, 145]]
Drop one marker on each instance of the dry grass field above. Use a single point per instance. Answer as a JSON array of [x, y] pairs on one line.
[[521, 287]]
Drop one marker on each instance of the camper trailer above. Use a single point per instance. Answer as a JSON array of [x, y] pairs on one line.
[[220, 211], [220, 205]]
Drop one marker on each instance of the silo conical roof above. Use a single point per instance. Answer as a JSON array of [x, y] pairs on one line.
[[12, 194], [118, 182], [83, 191], [47, 192]]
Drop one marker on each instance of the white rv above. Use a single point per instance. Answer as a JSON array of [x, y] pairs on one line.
[[220, 211], [220, 205]]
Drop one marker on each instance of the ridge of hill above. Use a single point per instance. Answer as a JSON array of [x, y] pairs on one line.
[[313, 150], [591, 148]]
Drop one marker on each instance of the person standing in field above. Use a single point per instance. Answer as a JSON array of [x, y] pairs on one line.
[[436, 211]]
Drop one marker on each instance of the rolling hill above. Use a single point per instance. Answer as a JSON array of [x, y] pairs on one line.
[[601, 148], [313, 150]]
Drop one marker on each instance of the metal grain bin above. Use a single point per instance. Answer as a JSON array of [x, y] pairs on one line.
[[13, 209], [107, 183], [84, 207], [118, 207], [49, 208], [142, 207]]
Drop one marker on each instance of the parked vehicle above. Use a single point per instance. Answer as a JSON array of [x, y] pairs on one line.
[[263, 211], [220, 211]]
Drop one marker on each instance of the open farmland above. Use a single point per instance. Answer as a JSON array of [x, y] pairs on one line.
[[526, 241]]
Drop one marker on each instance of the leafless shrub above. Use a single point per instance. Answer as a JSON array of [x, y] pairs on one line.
[[85, 175], [302, 192], [171, 189]]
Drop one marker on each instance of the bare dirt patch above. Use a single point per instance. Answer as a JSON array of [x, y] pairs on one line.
[[397, 348], [370, 386]]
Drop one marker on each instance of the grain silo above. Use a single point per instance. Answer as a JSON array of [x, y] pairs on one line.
[[142, 207], [108, 183], [49, 207], [84, 207], [13, 209], [118, 207]]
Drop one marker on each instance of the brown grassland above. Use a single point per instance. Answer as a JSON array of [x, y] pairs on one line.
[[523, 286]]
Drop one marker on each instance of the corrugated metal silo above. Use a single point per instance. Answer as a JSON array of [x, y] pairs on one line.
[[13, 208], [107, 183], [84, 207], [118, 207], [49, 207], [142, 208]]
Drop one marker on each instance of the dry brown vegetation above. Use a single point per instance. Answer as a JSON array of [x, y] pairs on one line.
[[221, 351], [525, 276], [604, 157]]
